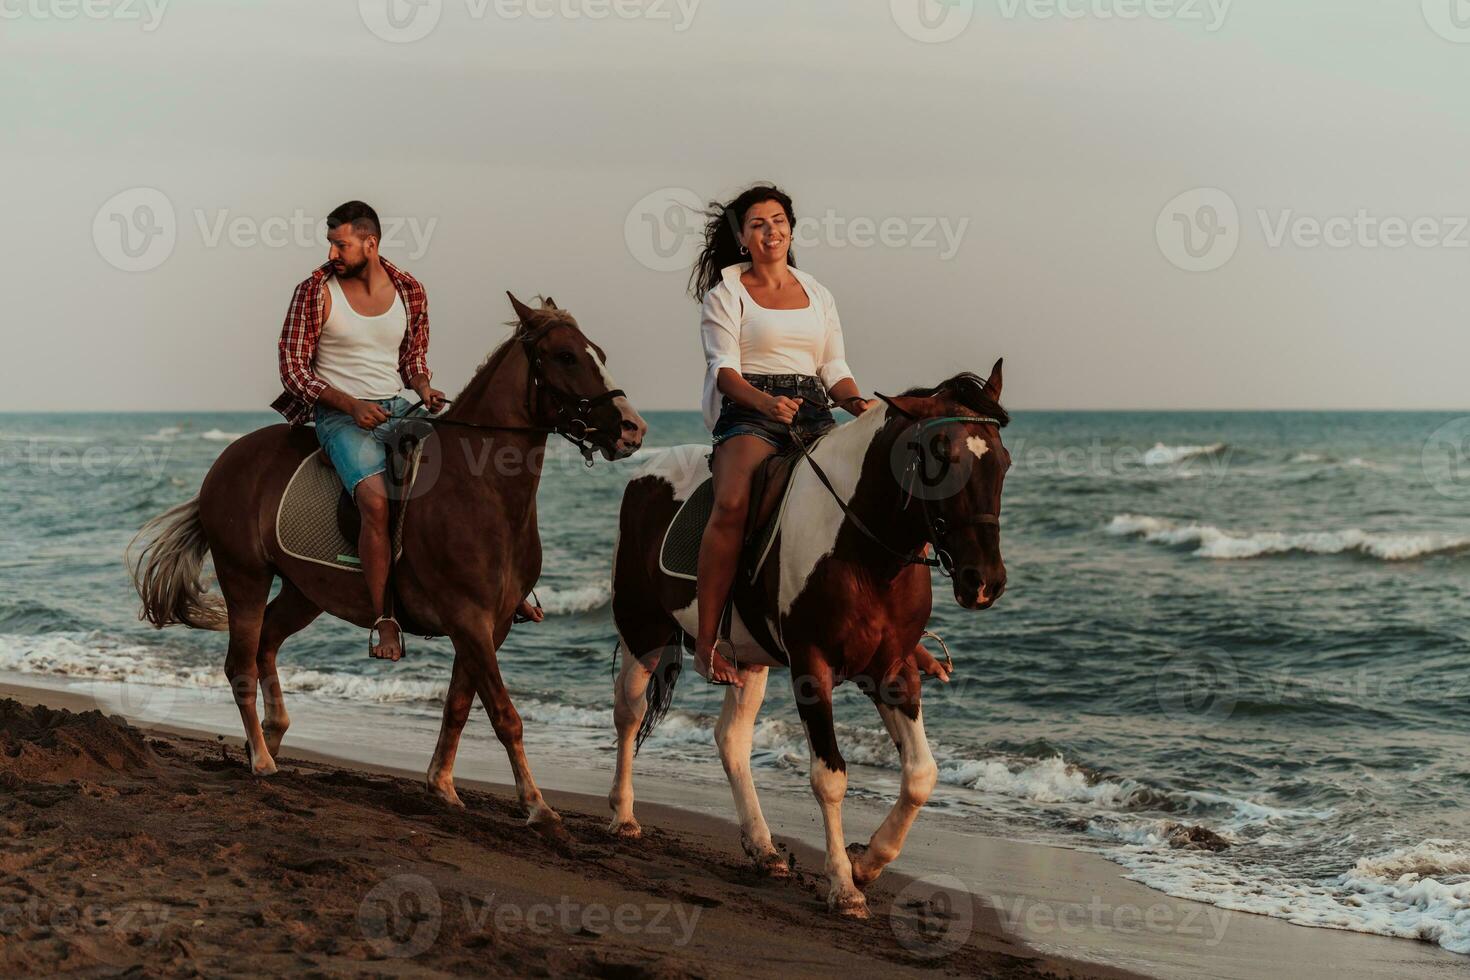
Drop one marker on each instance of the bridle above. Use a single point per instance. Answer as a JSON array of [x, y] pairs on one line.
[[936, 526], [572, 423]]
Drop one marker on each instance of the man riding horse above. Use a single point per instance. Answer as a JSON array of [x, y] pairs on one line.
[[357, 328]]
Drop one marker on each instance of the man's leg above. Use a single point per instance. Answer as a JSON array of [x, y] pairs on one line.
[[372, 548]]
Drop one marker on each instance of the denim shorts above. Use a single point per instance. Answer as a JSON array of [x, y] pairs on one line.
[[812, 419], [357, 453]]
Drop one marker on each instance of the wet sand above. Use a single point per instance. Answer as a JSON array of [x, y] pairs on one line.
[[144, 849]]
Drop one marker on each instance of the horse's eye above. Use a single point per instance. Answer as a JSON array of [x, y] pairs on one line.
[[566, 357]]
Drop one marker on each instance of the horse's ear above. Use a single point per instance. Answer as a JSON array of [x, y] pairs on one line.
[[992, 386], [549, 304], [523, 312]]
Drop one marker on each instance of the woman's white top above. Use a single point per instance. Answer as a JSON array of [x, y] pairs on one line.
[[358, 355], [740, 334]]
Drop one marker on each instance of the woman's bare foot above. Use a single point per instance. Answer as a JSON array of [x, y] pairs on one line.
[[529, 612], [714, 668], [390, 643]]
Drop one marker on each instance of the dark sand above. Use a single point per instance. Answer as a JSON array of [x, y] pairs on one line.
[[154, 852]]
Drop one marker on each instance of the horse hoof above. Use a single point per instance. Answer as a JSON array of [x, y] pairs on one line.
[[626, 829], [862, 875], [852, 906], [444, 792], [266, 767], [548, 824]]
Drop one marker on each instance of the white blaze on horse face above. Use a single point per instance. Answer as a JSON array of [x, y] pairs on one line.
[[809, 529], [620, 403], [977, 446]]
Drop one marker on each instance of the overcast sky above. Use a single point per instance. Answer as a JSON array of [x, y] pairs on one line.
[[1139, 203]]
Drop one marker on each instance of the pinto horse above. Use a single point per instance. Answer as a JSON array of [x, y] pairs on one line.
[[471, 549], [835, 600]]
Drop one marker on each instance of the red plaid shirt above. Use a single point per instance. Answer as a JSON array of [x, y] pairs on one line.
[[303, 329]]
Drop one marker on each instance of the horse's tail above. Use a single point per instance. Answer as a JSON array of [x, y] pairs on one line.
[[167, 571], [661, 686]]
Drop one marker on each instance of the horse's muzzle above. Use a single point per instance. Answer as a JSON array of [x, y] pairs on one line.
[[976, 590], [631, 430]]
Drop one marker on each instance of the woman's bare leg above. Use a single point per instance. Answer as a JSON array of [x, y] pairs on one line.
[[735, 461]]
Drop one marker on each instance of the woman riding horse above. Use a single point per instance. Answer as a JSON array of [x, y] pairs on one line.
[[774, 361]]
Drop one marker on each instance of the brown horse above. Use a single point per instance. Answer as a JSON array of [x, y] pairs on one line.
[[844, 594], [471, 549]]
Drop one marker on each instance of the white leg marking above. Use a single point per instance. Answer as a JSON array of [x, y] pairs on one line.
[[733, 735], [919, 776]]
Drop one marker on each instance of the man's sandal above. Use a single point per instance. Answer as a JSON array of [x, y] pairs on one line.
[[375, 649]]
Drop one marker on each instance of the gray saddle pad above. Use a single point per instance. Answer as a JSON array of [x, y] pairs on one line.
[[679, 554], [306, 520]]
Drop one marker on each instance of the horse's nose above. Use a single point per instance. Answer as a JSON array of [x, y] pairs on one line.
[[633, 431], [976, 590]]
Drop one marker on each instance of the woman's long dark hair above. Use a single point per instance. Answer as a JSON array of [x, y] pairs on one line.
[[722, 236]]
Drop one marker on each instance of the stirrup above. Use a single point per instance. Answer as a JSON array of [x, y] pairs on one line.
[[948, 660], [402, 648]]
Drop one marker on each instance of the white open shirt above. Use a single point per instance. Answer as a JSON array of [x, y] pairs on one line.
[[815, 350]]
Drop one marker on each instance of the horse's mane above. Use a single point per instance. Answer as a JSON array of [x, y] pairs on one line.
[[969, 389], [540, 318]]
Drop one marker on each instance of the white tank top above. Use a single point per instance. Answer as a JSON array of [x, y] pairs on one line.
[[780, 341], [358, 355]]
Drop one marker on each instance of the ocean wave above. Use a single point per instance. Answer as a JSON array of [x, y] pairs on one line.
[[1212, 542], [571, 601], [1417, 892], [215, 435], [1162, 455], [166, 434]]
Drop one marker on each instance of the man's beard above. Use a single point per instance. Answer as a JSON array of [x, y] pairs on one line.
[[345, 271]]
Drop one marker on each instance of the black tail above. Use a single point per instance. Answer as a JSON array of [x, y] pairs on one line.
[[660, 694]]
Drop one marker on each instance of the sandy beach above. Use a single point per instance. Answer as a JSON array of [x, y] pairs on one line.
[[146, 849], [150, 847]]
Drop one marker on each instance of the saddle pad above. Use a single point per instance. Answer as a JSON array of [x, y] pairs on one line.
[[679, 555], [306, 521]]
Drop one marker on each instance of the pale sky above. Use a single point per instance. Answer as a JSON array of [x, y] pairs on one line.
[[1002, 192]]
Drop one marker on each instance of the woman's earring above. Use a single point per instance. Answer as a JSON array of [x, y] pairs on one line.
[[744, 250]]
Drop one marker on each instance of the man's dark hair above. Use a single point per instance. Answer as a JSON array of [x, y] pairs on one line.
[[362, 218]]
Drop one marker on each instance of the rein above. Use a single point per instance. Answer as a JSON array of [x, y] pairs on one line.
[[936, 526], [572, 426]]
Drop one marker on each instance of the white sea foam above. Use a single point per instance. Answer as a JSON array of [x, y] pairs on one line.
[[1212, 542], [166, 434], [579, 599], [1162, 455], [1417, 892], [215, 435]]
